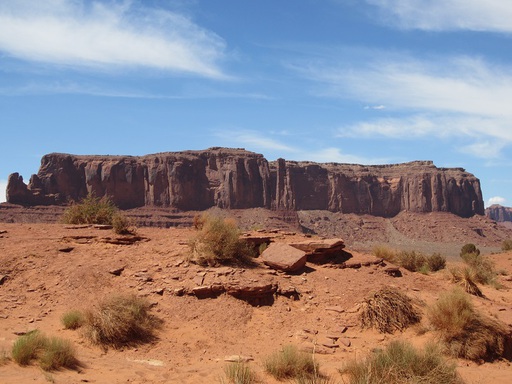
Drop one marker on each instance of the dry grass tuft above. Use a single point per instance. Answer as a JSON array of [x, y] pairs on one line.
[[52, 353], [464, 278], [401, 363], [121, 320], [218, 242], [239, 373], [290, 363], [465, 332], [73, 319], [388, 310]]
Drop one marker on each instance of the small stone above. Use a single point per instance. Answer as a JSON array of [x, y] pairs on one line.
[[66, 249], [346, 342]]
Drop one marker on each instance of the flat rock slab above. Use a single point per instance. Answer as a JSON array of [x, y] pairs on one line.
[[318, 245], [284, 257]]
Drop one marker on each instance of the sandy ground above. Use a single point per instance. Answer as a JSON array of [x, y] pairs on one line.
[[43, 282]]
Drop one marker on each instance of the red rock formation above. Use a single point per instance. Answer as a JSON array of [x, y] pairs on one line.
[[238, 179], [499, 213]]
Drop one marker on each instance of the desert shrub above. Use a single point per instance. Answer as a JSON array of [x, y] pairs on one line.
[[411, 260], [91, 210], [290, 363], [482, 268], [121, 320], [388, 310], [467, 333], [58, 353], [384, 252], [239, 373], [469, 248], [52, 353], [28, 347], [73, 319], [464, 277], [218, 242], [436, 262], [401, 363], [122, 225], [506, 245]]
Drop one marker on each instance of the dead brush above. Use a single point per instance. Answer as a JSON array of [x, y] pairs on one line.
[[467, 333], [464, 278], [121, 320], [388, 310]]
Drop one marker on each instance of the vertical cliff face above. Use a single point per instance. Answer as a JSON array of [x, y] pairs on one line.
[[499, 213], [238, 179]]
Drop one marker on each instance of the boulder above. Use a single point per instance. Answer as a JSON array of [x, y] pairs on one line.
[[320, 251], [284, 257]]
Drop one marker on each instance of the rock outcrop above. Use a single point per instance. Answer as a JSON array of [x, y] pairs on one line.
[[239, 179], [499, 213]]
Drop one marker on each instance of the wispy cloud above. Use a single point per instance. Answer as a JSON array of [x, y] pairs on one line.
[[252, 139], [257, 141], [3, 186], [496, 200], [336, 155], [440, 15], [462, 97], [108, 34]]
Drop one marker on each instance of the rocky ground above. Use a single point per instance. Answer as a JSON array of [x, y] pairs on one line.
[[48, 269]]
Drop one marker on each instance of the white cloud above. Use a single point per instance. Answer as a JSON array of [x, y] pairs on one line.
[[3, 186], [335, 155], [457, 97], [496, 200], [253, 140], [439, 15], [104, 35]]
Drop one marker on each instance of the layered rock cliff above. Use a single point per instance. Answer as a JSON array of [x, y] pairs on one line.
[[238, 179], [499, 213]]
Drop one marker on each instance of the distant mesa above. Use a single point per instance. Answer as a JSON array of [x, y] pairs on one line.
[[239, 179], [499, 213]]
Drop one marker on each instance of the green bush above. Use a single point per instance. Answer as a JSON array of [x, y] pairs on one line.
[[400, 362], [73, 319], [469, 248], [218, 242], [290, 363], [121, 320], [506, 245]]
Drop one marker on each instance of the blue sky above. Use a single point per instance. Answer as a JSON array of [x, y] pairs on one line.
[[350, 81]]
